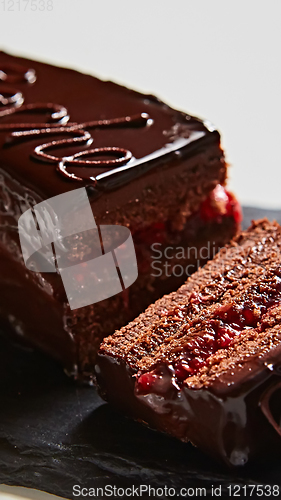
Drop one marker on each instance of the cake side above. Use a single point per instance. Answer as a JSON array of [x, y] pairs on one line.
[[200, 363], [169, 314], [77, 333]]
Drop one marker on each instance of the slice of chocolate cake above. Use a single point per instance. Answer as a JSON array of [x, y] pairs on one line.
[[155, 170], [203, 363]]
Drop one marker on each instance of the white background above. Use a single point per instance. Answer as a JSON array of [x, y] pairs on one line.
[[218, 59]]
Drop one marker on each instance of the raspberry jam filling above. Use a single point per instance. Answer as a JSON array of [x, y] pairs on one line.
[[219, 332], [218, 205], [156, 233]]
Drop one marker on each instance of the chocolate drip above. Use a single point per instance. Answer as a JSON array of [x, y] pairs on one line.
[[265, 406]]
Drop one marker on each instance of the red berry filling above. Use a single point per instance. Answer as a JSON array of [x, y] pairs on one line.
[[218, 332], [146, 381], [220, 203]]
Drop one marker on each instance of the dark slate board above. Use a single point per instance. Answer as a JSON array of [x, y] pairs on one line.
[[54, 434]]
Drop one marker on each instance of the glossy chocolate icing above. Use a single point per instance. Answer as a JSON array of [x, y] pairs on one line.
[[230, 420], [87, 111]]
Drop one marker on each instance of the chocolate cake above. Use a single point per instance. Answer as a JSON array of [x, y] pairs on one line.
[[155, 170], [203, 363]]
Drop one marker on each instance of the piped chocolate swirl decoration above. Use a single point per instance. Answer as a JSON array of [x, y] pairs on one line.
[[15, 73], [12, 103]]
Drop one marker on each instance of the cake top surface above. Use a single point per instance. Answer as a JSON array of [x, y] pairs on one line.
[[225, 317], [123, 129]]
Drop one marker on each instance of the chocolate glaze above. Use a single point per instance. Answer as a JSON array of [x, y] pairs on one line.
[[229, 420], [91, 105]]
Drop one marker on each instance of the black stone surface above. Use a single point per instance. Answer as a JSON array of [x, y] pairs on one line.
[[55, 434]]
